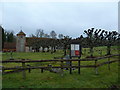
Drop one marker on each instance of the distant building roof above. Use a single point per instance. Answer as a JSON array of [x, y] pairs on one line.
[[35, 39], [39, 38], [21, 33]]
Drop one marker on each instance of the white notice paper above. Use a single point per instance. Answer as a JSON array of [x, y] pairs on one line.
[[72, 47], [77, 47]]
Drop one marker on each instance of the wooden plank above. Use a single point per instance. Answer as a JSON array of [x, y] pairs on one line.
[[96, 68], [86, 59], [39, 67], [78, 67], [61, 64], [108, 62], [41, 70], [24, 73], [70, 67], [14, 71]]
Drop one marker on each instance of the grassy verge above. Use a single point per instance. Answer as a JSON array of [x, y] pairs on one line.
[[87, 79]]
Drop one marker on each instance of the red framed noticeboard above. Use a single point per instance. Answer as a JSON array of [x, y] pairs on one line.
[[75, 50]]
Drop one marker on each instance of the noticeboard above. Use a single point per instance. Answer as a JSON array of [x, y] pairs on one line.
[[75, 50]]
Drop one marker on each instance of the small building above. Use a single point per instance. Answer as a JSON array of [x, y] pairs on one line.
[[9, 47], [20, 42], [24, 44]]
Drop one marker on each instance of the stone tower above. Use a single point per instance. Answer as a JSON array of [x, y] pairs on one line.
[[20, 42]]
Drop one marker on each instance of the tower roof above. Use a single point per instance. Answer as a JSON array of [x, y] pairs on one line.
[[21, 33]]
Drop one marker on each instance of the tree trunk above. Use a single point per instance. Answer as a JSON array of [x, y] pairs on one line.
[[64, 49], [91, 51], [48, 49], [37, 49], [54, 49], [51, 49], [108, 50], [43, 49]]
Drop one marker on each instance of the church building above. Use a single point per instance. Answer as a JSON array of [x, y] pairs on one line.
[[22, 43]]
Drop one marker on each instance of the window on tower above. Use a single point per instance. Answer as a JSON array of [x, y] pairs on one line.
[[21, 36]]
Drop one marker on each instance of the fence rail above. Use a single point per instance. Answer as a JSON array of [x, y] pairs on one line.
[[62, 66], [57, 60]]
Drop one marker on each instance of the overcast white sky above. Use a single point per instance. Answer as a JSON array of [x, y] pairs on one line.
[[68, 18]]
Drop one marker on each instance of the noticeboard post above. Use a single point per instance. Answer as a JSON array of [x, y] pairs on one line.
[[75, 50]]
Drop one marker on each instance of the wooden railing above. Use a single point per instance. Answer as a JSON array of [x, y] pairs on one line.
[[61, 66]]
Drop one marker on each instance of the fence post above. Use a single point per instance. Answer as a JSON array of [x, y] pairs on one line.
[[70, 67], [23, 65], [109, 63], [41, 70], [29, 70], [3, 70], [78, 66], [84, 51], [61, 65], [96, 68]]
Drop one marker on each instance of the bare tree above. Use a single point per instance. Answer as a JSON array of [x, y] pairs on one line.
[[32, 35], [46, 36], [60, 36], [66, 42], [90, 39], [93, 38], [39, 33], [53, 34], [110, 37]]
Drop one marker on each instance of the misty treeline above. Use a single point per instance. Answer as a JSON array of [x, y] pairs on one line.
[[94, 38], [7, 36], [40, 33]]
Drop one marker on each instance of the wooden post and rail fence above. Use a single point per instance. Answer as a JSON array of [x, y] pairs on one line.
[[61, 66]]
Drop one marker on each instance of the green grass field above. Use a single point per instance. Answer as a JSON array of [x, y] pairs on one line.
[[87, 79]]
